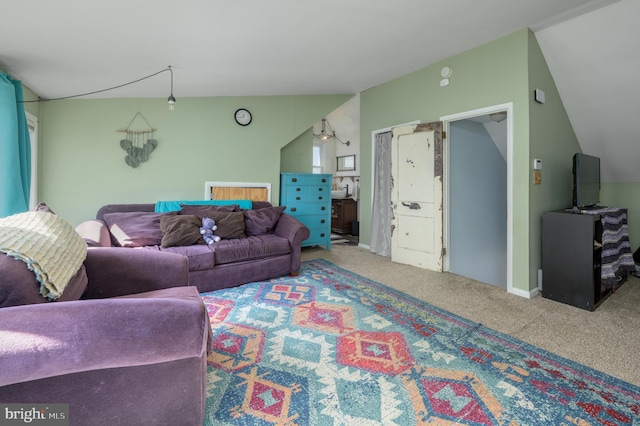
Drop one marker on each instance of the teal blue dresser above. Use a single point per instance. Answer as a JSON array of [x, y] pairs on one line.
[[307, 196]]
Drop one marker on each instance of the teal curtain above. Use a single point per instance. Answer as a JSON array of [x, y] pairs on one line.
[[15, 149]]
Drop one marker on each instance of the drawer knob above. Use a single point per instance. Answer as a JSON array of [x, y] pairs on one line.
[[298, 189], [294, 179], [324, 180], [323, 208], [322, 235], [319, 197], [322, 221], [297, 198], [293, 209]]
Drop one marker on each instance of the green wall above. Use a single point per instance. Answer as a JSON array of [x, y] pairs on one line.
[[81, 164], [552, 139], [495, 73], [297, 156]]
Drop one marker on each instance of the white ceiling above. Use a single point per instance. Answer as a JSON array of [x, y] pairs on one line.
[[256, 47], [595, 63]]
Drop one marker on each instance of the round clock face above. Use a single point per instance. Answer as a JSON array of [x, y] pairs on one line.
[[243, 117]]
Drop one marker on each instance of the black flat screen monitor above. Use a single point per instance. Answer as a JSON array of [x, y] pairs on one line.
[[586, 180]]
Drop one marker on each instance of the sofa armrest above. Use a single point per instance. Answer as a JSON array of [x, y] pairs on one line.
[[296, 232], [118, 271], [95, 233], [61, 338]]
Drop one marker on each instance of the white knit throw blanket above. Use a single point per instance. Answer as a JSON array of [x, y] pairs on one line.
[[49, 246]]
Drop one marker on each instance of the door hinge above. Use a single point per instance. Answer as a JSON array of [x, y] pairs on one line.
[[444, 251], [444, 134]]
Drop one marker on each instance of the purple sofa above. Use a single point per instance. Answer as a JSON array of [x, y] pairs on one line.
[[271, 247], [125, 344]]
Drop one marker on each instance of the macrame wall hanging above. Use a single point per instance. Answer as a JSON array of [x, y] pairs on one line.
[[138, 144]]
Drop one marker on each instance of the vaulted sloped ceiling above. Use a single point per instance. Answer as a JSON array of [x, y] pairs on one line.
[[257, 47], [595, 62]]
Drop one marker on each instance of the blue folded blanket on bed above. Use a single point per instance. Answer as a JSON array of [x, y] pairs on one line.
[[170, 206]]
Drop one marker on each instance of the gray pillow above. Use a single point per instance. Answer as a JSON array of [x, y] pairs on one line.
[[180, 230], [230, 224], [262, 221]]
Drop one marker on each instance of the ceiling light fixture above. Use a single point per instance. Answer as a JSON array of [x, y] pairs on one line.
[[326, 136], [171, 100], [498, 116]]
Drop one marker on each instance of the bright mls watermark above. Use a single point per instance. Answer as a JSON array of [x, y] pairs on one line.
[[34, 414]]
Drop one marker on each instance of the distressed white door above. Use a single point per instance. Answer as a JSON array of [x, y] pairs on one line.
[[416, 195]]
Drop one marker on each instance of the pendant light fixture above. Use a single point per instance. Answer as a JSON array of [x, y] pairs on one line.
[[326, 136], [171, 100]]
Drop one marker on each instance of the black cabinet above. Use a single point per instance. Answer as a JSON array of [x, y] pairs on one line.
[[572, 259]]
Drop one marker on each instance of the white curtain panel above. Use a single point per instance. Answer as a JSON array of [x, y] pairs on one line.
[[381, 214]]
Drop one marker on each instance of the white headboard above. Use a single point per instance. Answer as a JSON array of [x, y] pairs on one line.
[[254, 191]]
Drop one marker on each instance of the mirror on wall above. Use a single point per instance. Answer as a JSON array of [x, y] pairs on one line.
[[346, 163]]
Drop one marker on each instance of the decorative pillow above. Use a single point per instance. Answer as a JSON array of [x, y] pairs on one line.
[[230, 224], [262, 221], [180, 230], [203, 210], [135, 229]]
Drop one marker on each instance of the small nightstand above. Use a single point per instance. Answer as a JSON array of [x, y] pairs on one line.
[[344, 211]]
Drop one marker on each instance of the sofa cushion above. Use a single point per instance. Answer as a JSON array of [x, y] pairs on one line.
[[262, 221], [18, 285], [230, 224], [135, 229], [95, 233], [200, 256], [48, 245], [180, 230], [250, 248]]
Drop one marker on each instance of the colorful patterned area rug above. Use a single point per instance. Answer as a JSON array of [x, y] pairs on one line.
[[330, 347]]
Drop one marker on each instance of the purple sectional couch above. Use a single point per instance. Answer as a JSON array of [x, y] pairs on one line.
[[125, 344], [267, 245]]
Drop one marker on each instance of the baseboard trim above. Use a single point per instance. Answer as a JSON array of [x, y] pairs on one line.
[[364, 246], [526, 294]]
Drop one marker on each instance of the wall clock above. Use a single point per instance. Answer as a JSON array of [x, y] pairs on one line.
[[243, 117]]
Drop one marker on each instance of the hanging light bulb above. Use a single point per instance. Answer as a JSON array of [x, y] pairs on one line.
[[171, 100], [325, 135]]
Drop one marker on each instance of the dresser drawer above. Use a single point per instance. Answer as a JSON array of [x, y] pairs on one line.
[[314, 221], [317, 237], [306, 196], [308, 179], [308, 208]]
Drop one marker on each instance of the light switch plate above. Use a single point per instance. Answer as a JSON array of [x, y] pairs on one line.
[[537, 177]]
